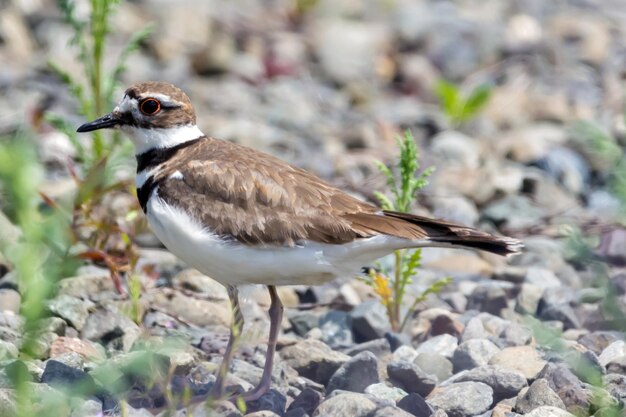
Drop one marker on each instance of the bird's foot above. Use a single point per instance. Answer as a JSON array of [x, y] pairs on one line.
[[247, 396]]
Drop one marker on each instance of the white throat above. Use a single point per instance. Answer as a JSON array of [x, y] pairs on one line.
[[159, 138]]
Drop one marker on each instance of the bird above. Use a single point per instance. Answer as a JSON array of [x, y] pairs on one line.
[[242, 216]]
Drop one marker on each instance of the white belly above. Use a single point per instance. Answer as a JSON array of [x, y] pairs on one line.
[[233, 263]]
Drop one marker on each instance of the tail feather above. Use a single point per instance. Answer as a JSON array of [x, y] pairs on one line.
[[450, 233], [439, 232]]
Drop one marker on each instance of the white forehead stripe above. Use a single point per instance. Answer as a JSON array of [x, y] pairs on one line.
[[127, 104]]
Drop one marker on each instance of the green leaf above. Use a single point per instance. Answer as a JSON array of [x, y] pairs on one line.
[[385, 202], [449, 96], [477, 100], [93, 183]]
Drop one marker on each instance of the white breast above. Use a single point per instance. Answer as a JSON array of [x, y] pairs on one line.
[[233, 263]]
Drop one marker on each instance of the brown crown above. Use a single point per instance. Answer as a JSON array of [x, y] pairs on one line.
[[177, 111]]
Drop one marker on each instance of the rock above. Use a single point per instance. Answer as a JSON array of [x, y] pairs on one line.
[[462, 399], [87, 350], [54, 325], [444, 324], [296, 412], [615, 384], [538, 394], [369, 321], [593, 35], [308, 400], [379, 347], [74, 310], [599, 340], [313, 359], [8, 405], [604, 204], [567, 386], [455, 209], [416, 405], [612, 352], [87, 284], [516, 335], [505, 383], [10, 300], [349, 51], [473, 353], [410, 377], [527, 300], [60, 374], [108, 326], [404, 353], [336, 330], [547, 411], [444, 344], [389, 411], [617, 365], [524, 359], [515, 212], [13, 321], [8, 350], [542, 278], [523, 32], [303, 321], [202, 313], [461, 264], [192, 280], [345, 404], [434, 364], [567, 167], [562, 312], [474, 329], [87, 409], [71, 359], [264, 413], [488, 298], [385, 393], [356, 374], [453, 147], [272, 401]]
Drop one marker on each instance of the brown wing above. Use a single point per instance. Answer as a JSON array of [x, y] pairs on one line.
[[256, 198]]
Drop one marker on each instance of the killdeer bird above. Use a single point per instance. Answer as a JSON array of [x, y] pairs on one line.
[[242, 216]]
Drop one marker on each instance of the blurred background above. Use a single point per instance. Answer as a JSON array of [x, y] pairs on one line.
[[518, 106]]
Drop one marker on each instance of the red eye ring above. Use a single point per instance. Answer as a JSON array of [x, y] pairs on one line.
[[150, 106]]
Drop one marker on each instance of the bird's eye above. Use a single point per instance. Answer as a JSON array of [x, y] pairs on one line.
[[150, 106]]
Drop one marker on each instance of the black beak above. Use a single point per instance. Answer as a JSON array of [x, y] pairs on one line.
[[110, 120]]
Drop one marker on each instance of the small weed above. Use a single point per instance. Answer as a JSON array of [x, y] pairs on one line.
[[40, 257], [603, 147], [391, 288], [109, 240], [601, 402], [459, 107]]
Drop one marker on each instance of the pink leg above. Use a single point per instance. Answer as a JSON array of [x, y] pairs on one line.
[[276, 317]]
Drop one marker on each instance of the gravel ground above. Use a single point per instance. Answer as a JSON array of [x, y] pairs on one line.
[[328, 90]]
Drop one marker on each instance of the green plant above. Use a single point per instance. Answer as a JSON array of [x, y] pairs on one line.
[[95, 95], [459, 107], [603, 148], [109, 240], [41, 255], [391, 288], [601, 402]]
